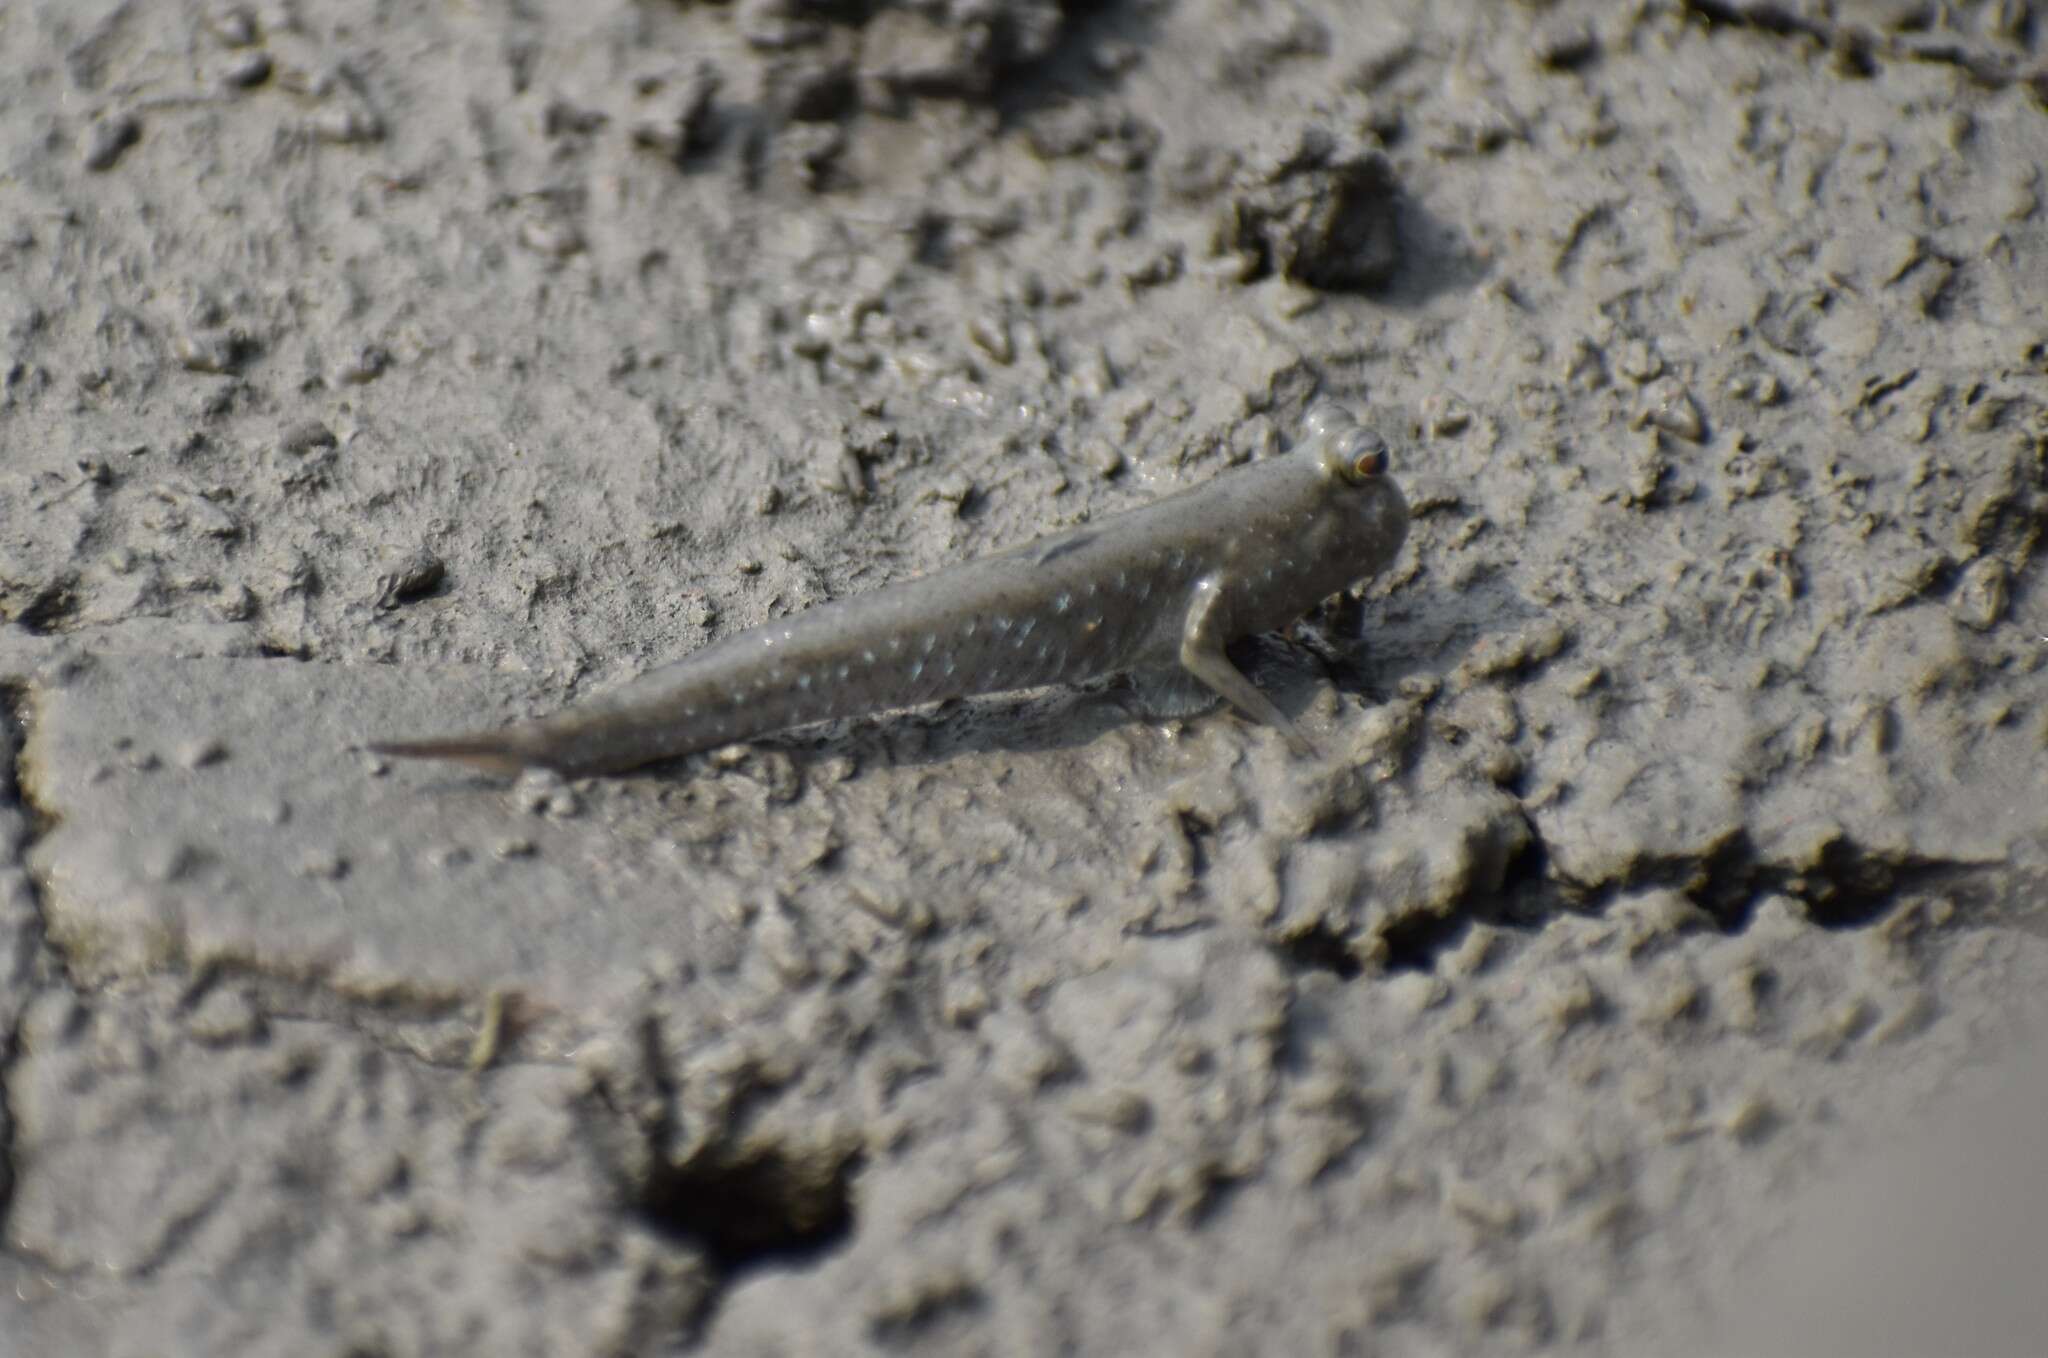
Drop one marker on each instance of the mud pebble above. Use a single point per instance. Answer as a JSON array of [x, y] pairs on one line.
[[1668, 406], [308, 436], [991, 335], [783, 944], [198, 754], [964, 1002], [1639, 362], [224, 1017], [1980, 600], [108, 138], [1566, 45], [324, 864], [1568, 1000], [1516, 653], [209, 351], [688, 126], [246, 70], [1446, 415], [1103, 457], [164, 861], [551, 236], [366, 365], [1758, 386], [347, 126], [1752, 1119], [536, 790], [1023, 1056], [1122, 1110], [232, 25], [417, 575], [1655, 916]]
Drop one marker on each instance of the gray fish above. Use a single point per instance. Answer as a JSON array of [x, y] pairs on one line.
[[1165, 586]]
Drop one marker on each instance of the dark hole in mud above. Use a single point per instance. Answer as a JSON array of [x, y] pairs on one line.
[[1725, 884], [1415, 941], [49, 608], [1851, 890], [1848, 888], [1526, 893], [1769, 18], [1854, 58], [767, 1206], [1319, 948]]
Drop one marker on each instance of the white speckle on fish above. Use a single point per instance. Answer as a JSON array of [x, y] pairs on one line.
[[1246, 552]]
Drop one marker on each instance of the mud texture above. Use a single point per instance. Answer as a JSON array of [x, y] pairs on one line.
[[1678, 832]]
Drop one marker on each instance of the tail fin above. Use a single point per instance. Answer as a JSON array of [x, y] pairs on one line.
[[493, 752]]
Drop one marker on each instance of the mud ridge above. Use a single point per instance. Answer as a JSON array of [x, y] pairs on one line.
[[13, 731], [1861, 51]]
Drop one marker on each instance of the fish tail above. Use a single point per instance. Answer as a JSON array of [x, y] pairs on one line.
[[491, 751]]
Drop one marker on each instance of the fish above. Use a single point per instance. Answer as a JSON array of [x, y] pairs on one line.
[[1159, 590]]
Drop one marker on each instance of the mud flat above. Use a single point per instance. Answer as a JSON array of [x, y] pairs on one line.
[[1677, 838]]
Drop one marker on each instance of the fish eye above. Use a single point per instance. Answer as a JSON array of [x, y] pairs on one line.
[[1363, 456]]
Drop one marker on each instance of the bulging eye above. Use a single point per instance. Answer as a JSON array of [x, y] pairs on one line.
[[1365, 456]]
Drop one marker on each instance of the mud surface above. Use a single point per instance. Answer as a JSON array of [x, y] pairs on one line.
[[1678, 830]]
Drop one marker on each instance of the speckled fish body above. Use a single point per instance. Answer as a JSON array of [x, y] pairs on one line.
[[1168, 584]]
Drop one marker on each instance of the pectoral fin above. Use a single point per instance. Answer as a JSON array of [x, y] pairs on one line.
[[1202, 656]]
